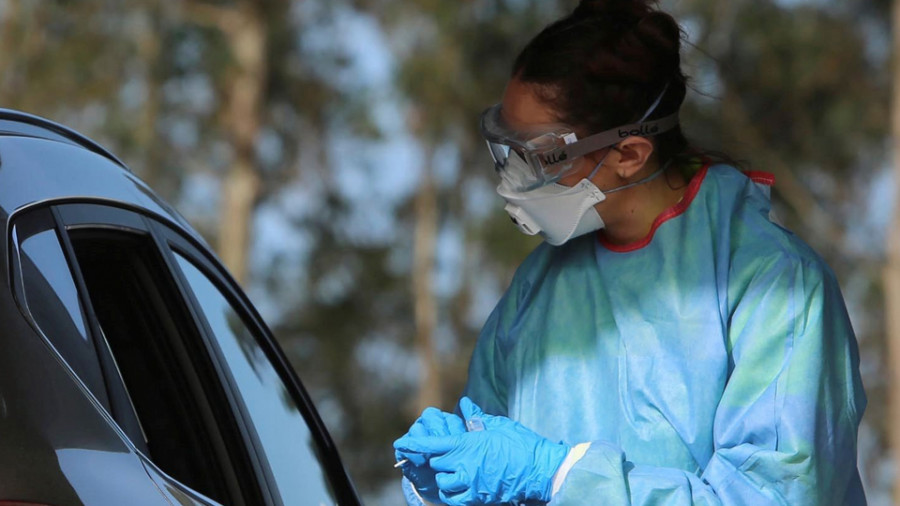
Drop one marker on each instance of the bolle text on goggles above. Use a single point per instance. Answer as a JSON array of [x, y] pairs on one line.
[[549, 156]]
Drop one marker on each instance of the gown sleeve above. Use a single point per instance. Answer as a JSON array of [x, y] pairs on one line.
[[785, 428], [487, 382], [485, 385]]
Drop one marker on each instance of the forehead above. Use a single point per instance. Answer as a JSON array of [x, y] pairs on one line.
[[522, 108]]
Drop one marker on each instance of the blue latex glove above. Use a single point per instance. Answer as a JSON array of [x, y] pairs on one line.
[[503, 463], [433, 422]]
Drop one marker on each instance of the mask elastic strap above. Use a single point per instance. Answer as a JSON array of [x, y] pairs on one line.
[[655, 103], [651, 177], [647, 179], [597, 167]]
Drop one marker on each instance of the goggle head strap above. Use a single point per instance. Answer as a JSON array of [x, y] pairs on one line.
[[607, 138]]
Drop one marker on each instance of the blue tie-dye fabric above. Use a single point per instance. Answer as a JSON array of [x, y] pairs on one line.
[[715, 365]]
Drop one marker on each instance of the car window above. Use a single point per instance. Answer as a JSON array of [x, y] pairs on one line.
[[282, 432], [52, 300], [160, 355]]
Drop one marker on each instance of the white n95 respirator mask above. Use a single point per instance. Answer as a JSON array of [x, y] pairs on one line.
[[557, 212]]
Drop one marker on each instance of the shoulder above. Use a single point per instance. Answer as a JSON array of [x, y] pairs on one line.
[[749, 190], [767, 249], [755, 243], [547, 263], [783, 283], [766, 259]]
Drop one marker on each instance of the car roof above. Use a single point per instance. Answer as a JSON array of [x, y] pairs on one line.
[[42, 161], [19, 123]]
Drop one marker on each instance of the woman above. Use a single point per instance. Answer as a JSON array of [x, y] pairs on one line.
[[690, 352]]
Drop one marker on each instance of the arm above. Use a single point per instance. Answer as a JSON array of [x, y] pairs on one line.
[[785, 428], [485, 383]]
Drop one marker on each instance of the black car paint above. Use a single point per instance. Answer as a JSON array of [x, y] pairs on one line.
[[59, 444]]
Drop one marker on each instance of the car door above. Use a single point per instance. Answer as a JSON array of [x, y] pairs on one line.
[[60, 443], [208, 397]]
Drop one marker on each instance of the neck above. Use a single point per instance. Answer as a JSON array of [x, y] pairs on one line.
[[641, 205]]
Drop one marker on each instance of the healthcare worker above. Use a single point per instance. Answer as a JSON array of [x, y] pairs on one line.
[[667, 343]]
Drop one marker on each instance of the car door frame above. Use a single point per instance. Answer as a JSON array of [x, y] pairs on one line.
[[171, 241], [98, 215], [168, 238]]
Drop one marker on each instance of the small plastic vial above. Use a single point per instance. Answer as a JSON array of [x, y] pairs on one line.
[[474, 425]]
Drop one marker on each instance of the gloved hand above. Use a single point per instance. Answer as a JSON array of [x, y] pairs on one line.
[[433, 422], [505, 462]]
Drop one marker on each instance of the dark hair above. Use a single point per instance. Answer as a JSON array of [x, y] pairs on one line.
[[605, 64]]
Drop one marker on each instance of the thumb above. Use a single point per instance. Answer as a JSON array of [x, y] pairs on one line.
[[469, 409]]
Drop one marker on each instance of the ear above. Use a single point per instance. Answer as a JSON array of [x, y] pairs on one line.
[[633, 154]]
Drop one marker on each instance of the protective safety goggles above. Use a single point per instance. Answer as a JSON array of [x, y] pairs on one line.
[[550, 155]]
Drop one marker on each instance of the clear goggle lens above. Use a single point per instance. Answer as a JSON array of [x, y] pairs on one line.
[[500, 154], [524, 165]]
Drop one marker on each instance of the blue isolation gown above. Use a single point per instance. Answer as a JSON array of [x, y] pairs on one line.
[[712, 363]]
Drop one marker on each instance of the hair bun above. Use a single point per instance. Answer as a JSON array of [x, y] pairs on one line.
[[660, 31], [634, 9], [637, 21]]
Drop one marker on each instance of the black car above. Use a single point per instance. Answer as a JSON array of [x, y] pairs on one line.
[[134, 371]]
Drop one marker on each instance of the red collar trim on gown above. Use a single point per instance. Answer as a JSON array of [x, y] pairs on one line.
[[679, 208]]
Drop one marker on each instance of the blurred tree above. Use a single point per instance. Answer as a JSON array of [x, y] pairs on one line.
[[96, 66], [456, 61], [892, 267], [244, 28], [9, 18]]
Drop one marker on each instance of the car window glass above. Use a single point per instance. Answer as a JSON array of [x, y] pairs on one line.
[[284, 436], [52, 299], [159, 356]]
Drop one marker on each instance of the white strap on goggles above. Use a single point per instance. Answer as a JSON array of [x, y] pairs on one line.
[[608, 138], [615, 135]]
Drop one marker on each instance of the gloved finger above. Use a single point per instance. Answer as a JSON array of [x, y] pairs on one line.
[[440, 423], [451, 462], [427, 445], [415, 458], [469, 409], [409, 493], [453, 483], [433, 422], [465, 498], [421, 476], [419, 429], [455, 424]]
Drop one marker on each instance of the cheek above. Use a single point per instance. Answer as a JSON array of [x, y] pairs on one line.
[[570, 180], [582, 169]]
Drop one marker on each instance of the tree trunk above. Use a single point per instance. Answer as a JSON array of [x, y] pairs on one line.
[[423, 291], [892, 268], [247, 37]]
